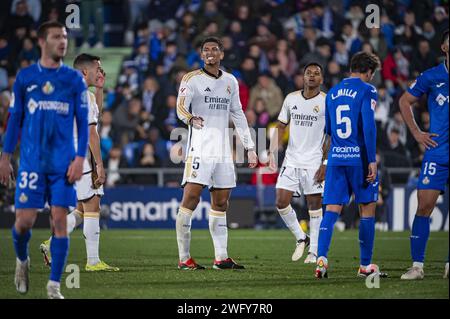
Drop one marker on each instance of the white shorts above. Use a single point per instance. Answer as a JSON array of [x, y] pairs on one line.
[[298, 180], [85, 190], [211, 173]]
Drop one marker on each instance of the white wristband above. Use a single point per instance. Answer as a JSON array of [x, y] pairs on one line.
[[325, 162]]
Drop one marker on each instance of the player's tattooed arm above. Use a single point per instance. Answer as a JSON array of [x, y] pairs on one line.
[[276, 143], [406, 102]]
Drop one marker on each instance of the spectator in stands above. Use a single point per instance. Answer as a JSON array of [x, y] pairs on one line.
[[92, 9], [378, 43], [126, 120], [106, 133], [20, 19], [232, 57], [29, 51], [152, 97], [395, 153], [115, 162], [269, 92], [210, 13], [423, 58], [148, 159], [341, 55]]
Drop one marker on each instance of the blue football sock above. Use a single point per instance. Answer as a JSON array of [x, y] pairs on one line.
[[326, 232], [366, 239], [59, 249], [21, 244], [419, 237]]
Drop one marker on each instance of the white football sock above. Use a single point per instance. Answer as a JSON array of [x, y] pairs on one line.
[[315, 218], [219, 233], [91, 231], [74, 219], [183, 228], [290, 219]]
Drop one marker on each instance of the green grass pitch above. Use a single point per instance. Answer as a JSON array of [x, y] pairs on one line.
[[148, 260]]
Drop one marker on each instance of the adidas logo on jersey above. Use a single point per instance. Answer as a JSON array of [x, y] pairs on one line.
[[207, 89], [295, 107]]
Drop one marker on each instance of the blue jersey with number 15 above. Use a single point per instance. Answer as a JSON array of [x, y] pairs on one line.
[[350, 122], [434, 83]]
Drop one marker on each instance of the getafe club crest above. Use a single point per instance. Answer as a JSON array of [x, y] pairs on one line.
[[426, 180], [23, 198], [48, 88]]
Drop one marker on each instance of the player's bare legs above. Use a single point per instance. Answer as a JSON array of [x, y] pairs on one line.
[[191, 198], [314, 202], [289, 216], [420, 232], [219, 229], [21, 234]]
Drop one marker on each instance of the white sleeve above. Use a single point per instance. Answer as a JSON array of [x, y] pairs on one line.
[[92, 110], [184, 99], [284, 115], [239, 119]]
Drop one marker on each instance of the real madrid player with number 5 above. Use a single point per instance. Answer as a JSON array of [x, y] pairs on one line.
[[48, 96], [303, 169], [434, 174], [206, 99]]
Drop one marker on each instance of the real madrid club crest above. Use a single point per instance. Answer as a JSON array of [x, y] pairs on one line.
[[426, 180], [316, 109], [194, 174], [23, 198], [48, 88]]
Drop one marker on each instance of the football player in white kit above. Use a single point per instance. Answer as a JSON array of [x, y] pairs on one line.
[[303, 169], [206, 99], [90, 187]]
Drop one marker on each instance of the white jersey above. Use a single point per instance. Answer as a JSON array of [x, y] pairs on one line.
[[306, 130], [93, 116], [214, 99]]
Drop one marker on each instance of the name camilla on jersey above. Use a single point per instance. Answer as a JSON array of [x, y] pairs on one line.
[[304, 119], [59, 107], [217, 102], [344, 92]]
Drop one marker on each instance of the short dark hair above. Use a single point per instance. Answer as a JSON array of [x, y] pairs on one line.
[[42, 31], [212, 39], [444, 36], [362, 62], [83, 59], [313, 63]]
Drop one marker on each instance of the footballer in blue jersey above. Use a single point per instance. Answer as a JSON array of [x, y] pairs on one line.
[[352, 168], [434, 173], [47, 97]]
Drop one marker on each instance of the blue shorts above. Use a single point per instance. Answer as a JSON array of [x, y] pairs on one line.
[[33, 190], [433, 175], [341, 181]]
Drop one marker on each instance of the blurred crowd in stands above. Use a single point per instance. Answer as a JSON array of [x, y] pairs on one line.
[[266, 45]]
